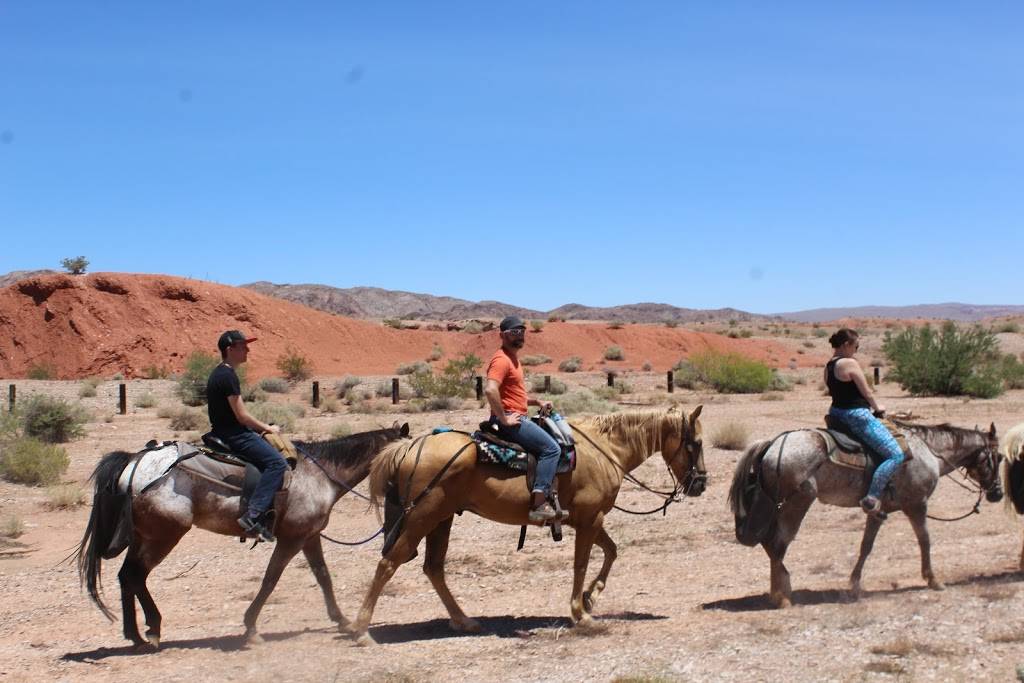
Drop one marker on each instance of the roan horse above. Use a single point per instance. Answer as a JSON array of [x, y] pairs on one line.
[[439, 477], [796, 470], [1012, 448], [163, 514]]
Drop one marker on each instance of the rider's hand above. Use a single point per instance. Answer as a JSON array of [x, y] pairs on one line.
[[274, 429], [511, 421], [879, 410], [545, 407]]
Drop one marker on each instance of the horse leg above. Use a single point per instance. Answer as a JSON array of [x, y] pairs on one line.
[[433, 567], [314, 552], [918, 516], [789, 520], [1022, 557], [608, 547], [283, 553], [581, 559], [141, 560], [126, 577], [867, 542], [401, 552]]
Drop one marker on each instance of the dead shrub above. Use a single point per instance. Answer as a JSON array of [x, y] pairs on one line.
[[64, 497], [731, 436]]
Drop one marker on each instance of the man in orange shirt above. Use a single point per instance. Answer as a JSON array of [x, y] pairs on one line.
[[506, 396]]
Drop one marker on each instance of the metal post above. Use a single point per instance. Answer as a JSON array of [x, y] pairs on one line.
[[547, 384], [11, 393], [611, 379], [122, 391], [479, 388], [671, 384], [877, 375], [316, 394], [394, 390]]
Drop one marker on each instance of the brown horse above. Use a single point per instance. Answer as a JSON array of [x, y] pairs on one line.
[[433, 484], [1012, 448], [163, 513]]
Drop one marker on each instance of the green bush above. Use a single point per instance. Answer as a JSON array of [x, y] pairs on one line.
[[538, 359], [583, 402], [30, 461], [294, 366], [536, 325], [345, 383], [455, 380], [145, 400], [685, 375], [280, 414], [1008, 327], [818, 332], [43, 370], [1012, 371], [88, 388], [947, 362], [154, 372], [12, 526], [571, 364], [732, 373], [75, 265], [189, 419], [613, 353], [394, 323], [192, 383], [253, 394], [436, 353], [341, 430], [411, 368], [274, 385], [780, 382], [557, 386], [52, 419]]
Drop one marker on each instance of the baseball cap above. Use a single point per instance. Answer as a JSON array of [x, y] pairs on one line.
[[511, 322], [232, 337]]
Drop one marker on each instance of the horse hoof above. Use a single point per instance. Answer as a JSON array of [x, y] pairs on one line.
[[588, 602], [936, 585], [781, 601], [253, 638], [466, 625], [585, 622], [365, 640], [154, 641]]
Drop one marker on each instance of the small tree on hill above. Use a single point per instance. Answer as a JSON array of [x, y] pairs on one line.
[[949, 361], [75, 266]]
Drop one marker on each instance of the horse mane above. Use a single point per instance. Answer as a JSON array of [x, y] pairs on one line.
[[346, 450], [958, 435], [631, 424], [1012, 443]]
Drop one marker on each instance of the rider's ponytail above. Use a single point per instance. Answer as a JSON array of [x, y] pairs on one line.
[[844, 335]]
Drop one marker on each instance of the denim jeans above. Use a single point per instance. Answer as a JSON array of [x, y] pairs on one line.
[[871, 431], [540, 443], [252, 448]]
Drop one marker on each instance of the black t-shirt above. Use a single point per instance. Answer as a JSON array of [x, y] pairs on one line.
[[223, 382]]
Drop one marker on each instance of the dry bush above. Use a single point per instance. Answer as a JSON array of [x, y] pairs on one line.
[[165, 412], [341, 430], [409, 369], [885, 667], [330, 405], [64, 497], [30, 461], [189, 419], [537, 359], [773, 396], [88, 388], [12, 526], [901, 647], [274, 385], [1014, 636], [614, 353], [345, 383], [646, 367], [436, 353], [473, 327], [145, 400], [571, 364], [731, 436], [281, 414]]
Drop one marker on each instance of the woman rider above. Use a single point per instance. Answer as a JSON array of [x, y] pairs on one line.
[[852, 405]]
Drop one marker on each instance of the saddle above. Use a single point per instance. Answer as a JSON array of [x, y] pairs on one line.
[[846, 450]]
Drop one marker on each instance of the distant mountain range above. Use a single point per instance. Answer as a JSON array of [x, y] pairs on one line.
[[950, 311]]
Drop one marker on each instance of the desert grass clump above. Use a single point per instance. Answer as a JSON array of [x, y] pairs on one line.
[[773, 396], [1008, 327], [330, 405], [732, 373], [253, 394], [436, 353], [43, 370], [411, 368], [88, 388], [614, 353], [342, 386], [473, 327], [731, 436], [583, 402], [536, 325], [147, 399], [615, 325], [294, 366], [570, 364], [646, 367], [556, 387], [340, 430], [192, 383], [536, 359], [33, 462], [280, 414], [155, 372], [12, 526], [189, 419], [685, 375], [394, 323], [274, 385], [64, 497], [53, 419]]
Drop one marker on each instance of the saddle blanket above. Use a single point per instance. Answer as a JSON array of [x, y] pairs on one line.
[[514, 458], [152, 464]]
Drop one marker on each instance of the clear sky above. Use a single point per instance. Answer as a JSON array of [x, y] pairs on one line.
[[770, 156]]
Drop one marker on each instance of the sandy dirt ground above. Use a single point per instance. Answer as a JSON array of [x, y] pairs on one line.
[[684, 601]]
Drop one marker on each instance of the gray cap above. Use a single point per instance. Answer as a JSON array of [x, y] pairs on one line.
[[511, 322]]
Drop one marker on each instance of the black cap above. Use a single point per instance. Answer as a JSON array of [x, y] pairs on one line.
[[511, 322], [232, 337]]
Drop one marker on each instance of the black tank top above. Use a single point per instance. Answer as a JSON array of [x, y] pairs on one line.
[[844, 394]]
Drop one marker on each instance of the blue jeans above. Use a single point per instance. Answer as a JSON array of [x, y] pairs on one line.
[[871, 431], [252, 448], [540, 443]]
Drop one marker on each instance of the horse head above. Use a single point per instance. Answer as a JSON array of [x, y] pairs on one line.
[[984, 465], [683, 451]]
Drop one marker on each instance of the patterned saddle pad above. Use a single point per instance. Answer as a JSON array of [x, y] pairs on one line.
[[495, 451]]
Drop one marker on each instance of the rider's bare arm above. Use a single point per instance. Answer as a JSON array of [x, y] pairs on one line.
[[492, 390], [853, 373], [247, 420]]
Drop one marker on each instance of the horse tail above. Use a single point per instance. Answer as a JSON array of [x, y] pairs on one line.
[[383, 470], [108, 513], [744, 471]]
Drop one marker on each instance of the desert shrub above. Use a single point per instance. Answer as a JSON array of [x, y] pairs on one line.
[[555, 319], [436, 353], [613, 353], [685, 375], [189, 419], [808, 345], [731, 436], [1012, 371], [818, 332], [583, 402], [394, 323], [746, 333], [646, 367], [274, 385], [443, 403], [773, 396], [780, 382], [31, 461], [43, 370], [473, 327], [75, 265], [411, 368], [571, 364], [358, 393], [732, 334], [165, 411], [537, 359], [145, 400], [615, 325], [12, 526], [88, 388], [192, 383], [330, 405], [280, 414], [340, 430], [294, 366], [9, 426], [253, 394], [64, 497], [536, 325], [557, 386], [671, 323], [949, 361], [362, 406], [406, 389], [1008, 327], [342, 386], [52, 419], [732, 373], [454, 380], [154, 372]]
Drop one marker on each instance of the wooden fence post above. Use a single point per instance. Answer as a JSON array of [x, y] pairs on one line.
[[479, 388], [11, 393], [671, 384], [394, 390], [547, 384], [878, 375], [316, 394], [611, 379], [122, 398]]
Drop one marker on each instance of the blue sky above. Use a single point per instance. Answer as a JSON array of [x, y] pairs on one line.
[[766, 156]]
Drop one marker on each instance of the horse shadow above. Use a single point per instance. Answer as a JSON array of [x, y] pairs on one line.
[[760, 602], [504, 626], [232, 643]]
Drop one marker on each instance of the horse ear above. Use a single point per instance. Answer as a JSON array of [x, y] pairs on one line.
[[696, 412], [405, 429], [992, 430]]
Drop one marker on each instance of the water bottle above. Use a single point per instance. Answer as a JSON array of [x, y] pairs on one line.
[[563, 426]]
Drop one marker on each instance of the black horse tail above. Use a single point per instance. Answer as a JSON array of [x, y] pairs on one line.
[[738, 498], [109, 530]]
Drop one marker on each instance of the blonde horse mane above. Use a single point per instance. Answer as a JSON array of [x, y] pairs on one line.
[[1012, 448], [632, 424]]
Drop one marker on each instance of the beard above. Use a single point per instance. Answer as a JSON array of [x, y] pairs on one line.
[[517, 343]]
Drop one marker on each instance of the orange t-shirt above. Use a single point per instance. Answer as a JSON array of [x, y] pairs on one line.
[[509, 376]]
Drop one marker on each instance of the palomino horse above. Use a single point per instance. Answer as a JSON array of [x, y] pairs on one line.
[[796, 470], [1012, 448], [164, 513], [439, 477]]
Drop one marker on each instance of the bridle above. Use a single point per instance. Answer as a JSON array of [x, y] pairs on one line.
[[992, 457]]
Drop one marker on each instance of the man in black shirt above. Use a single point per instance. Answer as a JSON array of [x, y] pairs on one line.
[[233, 425]]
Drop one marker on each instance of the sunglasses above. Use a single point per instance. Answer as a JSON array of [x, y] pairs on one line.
[[515, 332]]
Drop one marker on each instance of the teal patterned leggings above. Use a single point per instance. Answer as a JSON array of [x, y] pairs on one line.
[[871, 431]]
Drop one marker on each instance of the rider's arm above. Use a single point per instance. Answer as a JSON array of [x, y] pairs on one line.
[[851, 369], [247, 420], [492, 390]]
